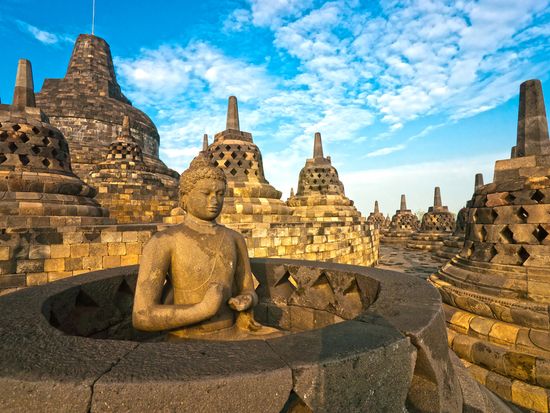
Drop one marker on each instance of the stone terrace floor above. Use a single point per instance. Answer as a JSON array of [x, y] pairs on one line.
[[401, 259]]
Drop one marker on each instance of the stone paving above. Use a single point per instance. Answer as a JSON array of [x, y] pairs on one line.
[[396, 257]]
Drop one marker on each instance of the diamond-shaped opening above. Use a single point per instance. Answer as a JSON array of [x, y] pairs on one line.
[[256, 173], [16, 127], [46, 162], [321, 281], [507, 236], [227, 163], [3, 136], [483, 234], [46, 141], [287, 278], [2, 158], [84, 300], [239, 147], [233, 154], [537, 196], [55, 153], [522, 214], [494, 215], [239, 163], [35, 130], [246, 172], [493, 252], [509, 198], [227, 147], [35, 149], [24, 138], [24, 159], [233, 171], [221, 155], [540, 233], [12, 147], [523, 255]]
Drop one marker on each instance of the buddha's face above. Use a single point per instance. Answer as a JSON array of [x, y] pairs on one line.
[[205, 200]]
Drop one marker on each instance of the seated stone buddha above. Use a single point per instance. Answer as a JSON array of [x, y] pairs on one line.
[[195, 278]]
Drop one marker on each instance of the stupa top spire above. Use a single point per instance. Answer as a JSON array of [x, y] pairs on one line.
[[23, 95], [205, 142], [478, 181], [532, 134], [232, 114], [403, 206], [376, 209], [318, 146], [437, 197]]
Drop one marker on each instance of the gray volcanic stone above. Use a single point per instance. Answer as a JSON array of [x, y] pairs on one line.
[[196, 376], [377, 359]]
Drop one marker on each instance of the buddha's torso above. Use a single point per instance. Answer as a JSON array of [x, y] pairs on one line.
[[203, 256]]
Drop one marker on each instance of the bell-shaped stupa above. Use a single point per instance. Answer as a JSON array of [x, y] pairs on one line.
[[403, 224], [37, 185], [127, 186], [320, 193], [249, 197], [88, 106], [496, 293], [437, 224]]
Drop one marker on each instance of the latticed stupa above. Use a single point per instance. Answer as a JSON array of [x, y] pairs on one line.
[[320, 193], [127, 186], [37, 185], [377, 218], [249, 196], [437, 224], [453, 244], [88, 106], [497, 291], [403, 224]]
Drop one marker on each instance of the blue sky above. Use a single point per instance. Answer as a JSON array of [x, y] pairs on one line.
[[406, 94]]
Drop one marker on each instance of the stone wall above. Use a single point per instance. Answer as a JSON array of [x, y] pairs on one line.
[[37, 256]]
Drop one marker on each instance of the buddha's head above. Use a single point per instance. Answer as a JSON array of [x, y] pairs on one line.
[[202, 189]]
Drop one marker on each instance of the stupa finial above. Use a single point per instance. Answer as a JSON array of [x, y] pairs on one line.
[[403, 206], [23, 94], [205, 142], [318, 146], [532, 134], [125, 133], [291, 192], [437, 197], [376, 209], [478, 181], [232, 114]]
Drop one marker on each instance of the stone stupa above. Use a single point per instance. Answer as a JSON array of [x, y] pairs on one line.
[[377, 218], [437, 224], [249, 198], [37, 185], [453, 244], [320, 195], [88, 106], [497, 291], [403, 224], [127, 186]]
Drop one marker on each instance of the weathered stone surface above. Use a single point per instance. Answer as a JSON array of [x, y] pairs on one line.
[[351, 366], [196, 376]]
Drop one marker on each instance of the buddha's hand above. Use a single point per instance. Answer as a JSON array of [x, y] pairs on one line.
[[212, 300], [241, 302]]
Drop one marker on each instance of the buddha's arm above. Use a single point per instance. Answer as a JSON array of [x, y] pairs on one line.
[[243, 277], [148, 313]]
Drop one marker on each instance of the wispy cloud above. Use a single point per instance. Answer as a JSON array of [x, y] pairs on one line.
[[385, 151], [43, 36]]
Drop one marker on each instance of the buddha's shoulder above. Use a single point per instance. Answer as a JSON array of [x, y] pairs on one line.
[[171, 233]]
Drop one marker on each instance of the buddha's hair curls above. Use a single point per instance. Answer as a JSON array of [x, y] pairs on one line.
[[201, 168]]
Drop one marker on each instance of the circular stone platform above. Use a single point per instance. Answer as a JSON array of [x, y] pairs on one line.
[[365, 340]]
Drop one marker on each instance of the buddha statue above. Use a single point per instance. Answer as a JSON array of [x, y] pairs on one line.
[[195, 278]]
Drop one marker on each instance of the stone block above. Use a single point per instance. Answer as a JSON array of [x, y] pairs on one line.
[[117, 248], [80, 250], [530, 397], [60, 251]]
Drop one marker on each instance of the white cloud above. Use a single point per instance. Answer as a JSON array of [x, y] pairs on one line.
[[273, 12], [385, 151], [237, 20], [42, 35]]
